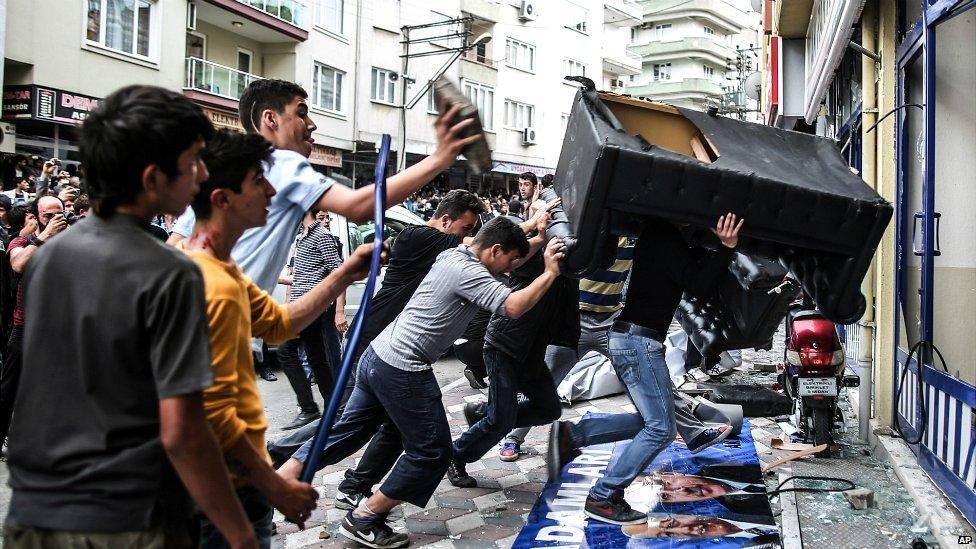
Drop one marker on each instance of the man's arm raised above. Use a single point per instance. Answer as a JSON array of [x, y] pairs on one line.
[[357, 204]]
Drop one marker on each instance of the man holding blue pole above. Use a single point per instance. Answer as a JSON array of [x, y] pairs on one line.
[[395, 381]]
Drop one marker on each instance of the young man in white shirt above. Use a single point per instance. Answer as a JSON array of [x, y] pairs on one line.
[[278, 110]]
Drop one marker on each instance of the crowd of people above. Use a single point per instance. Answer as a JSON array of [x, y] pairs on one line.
[[129, 383]]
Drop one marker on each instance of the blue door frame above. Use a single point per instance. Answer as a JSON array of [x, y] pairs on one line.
[[947, 450]]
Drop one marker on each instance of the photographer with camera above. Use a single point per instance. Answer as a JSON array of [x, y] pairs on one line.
[[47, 221]]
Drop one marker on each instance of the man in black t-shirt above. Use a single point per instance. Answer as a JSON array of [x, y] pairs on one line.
[[664, 267]]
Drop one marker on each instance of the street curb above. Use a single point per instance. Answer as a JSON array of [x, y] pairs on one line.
[[943, 519]]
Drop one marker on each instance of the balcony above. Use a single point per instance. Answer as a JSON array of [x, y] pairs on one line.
[[621, 64], [670, 90], [215, 85], [694, 48], [482, 9], [265, 21], [716, 13], [622, 13]]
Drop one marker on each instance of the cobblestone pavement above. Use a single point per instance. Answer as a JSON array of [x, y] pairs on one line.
[[492, 514]]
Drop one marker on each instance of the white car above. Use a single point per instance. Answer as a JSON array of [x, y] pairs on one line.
[[352, 235]]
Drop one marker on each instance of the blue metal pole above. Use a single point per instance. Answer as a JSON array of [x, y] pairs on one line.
[[355, 333]]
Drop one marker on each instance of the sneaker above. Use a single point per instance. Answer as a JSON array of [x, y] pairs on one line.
[[376, 533], [349, 501], [474, 381], [561, 451], [301, 420], [473, 412], [708, 437], [510, 451], [615, 510], [458, 476]]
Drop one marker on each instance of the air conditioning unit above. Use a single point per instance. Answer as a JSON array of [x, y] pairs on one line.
[[527, 11], [528, 136], [191, 16], [8, 138]]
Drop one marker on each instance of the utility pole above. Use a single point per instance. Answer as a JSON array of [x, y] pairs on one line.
[[456, 52]]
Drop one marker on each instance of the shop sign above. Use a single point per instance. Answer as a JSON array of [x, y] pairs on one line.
[[16, 102], [326, 156], [517, 169], [223, 120], [51, 104]]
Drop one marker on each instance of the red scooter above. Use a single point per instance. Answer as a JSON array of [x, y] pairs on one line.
[[814, 364]]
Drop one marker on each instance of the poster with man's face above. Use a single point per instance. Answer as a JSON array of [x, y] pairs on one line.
[[716, 498]]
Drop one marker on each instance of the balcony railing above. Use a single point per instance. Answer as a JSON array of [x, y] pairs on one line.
[[482, 58], [677, 88], [289, 11], [684, 48], [209, 77]]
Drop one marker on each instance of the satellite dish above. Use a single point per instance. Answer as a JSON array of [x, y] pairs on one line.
[[757, 6], [753, 85]]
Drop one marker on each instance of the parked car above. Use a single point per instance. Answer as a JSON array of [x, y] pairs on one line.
[[352, 235]]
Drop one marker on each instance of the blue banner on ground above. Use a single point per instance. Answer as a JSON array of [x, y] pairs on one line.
[[716, 498]]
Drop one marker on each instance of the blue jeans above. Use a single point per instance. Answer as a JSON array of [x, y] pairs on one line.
[[506, 378], [412, 402], [258, 511], [639, 362]]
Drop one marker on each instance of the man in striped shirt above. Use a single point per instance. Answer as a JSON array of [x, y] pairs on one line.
[[317, 253], [600, 299]]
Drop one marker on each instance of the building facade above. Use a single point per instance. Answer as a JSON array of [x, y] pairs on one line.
[[891, 81], [346, 53], [696, 53]]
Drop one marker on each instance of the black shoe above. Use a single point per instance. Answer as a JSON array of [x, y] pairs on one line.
[[348, 501], [561, 451], [376, 534], [473, 412], [301, 420], [615, 510], [473, 380], [268, 375], [457, 476]]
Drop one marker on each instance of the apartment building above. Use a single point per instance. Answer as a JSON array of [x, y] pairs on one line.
[[62, 56], [689, 51]]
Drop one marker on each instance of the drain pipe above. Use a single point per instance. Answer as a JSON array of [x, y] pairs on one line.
[[869, 114]]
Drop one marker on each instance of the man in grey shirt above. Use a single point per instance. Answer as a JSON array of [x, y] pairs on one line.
[[395, 380]]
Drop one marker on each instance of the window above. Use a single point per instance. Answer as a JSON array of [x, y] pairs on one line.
[[327, 88], [482, 97], [572, 67], [431, 103], [196, 45], [244, 58], [328, 15], [121, 25], [577, 18], [519, 115], [383, 86], [662, 32], [709, 72], [662, 71], [633, 35], [364, 233], [709, 31], [520, 55]]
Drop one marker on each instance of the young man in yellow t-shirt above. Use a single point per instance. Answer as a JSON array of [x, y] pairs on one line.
[[235, 199]]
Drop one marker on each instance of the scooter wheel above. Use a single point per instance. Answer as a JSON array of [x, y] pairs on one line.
[[822, 422]]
